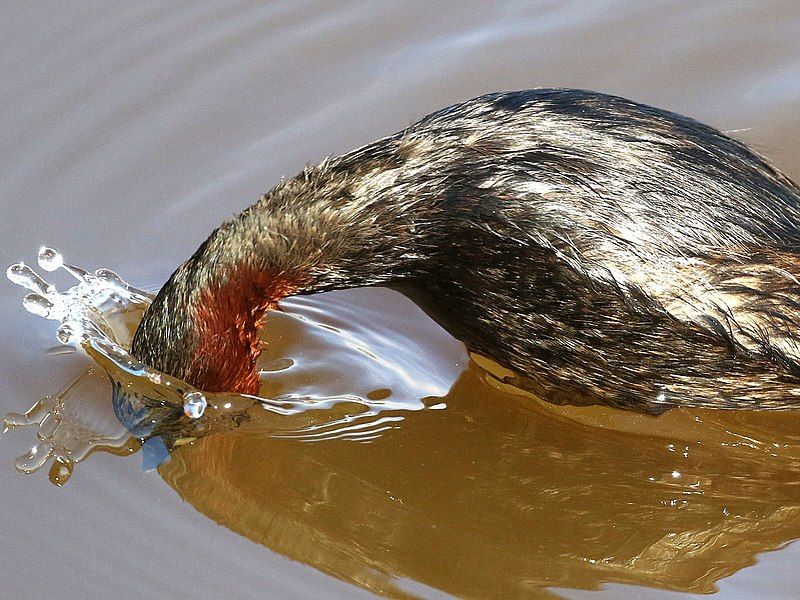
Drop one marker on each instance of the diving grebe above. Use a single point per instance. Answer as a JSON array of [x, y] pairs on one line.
[[603, 250]]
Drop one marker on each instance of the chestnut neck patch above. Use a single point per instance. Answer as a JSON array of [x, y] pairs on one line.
[[228, 316]]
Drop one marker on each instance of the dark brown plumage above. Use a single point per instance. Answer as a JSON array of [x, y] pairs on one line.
[[604, 250]]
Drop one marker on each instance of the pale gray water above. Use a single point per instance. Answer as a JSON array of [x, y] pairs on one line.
[[130, 131]]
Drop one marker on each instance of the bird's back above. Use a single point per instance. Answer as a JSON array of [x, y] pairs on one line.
[[615, 251]]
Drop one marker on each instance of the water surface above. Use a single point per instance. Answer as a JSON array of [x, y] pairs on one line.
[[130, 131]]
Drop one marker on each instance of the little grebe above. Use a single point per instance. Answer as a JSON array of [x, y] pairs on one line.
[[603, 250]]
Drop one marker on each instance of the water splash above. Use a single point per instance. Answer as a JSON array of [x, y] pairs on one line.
[[96, 315], [92, 316], [88, 311], [64, 436], [99, 315]]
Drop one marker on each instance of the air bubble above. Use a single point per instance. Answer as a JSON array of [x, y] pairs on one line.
[[50, 259], [194, 404]]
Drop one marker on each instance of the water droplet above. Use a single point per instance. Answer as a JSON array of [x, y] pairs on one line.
[[23, 275], [60, 471], [119, 285], [76, 272], [49, 259], [34, 458], [194, 404], [14, 419], [48, 426], [69, 333], [38, 305], [113, 281], [18, 273], [110, 276]]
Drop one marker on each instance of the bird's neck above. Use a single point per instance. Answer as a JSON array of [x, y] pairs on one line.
[[319, 231], [225, 320]]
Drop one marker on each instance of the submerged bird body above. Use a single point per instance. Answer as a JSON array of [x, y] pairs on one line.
[[603, 250]]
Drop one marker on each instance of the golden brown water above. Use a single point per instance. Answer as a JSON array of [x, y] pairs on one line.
[[500, 495], [130, 131]]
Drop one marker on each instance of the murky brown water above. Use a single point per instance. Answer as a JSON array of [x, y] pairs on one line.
[[130, 132]]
